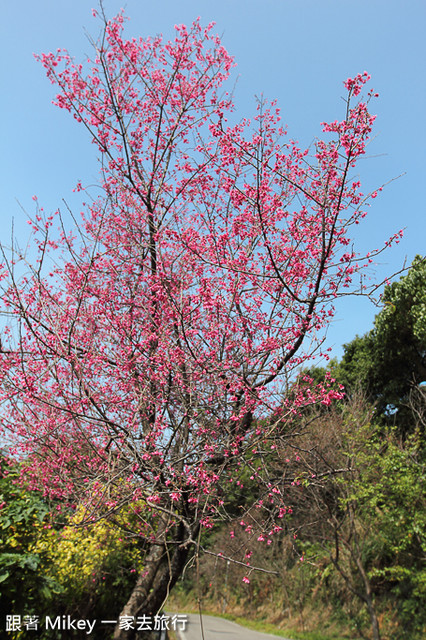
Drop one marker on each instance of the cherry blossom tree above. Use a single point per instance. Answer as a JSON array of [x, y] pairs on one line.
[[148, 353]]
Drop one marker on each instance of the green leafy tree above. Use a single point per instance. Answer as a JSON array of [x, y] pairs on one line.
[[52, 568], [381, 524], [95, 566], [389, 361], [23, 518], [391, 493]]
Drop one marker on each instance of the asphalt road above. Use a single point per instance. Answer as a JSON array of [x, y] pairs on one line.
[[219, 629]]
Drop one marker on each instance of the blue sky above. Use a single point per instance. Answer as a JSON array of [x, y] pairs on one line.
[[295, 51]]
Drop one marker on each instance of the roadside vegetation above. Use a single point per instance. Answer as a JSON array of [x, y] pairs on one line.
[[350, 559]]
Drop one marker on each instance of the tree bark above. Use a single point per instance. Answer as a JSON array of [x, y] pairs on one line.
[[141, 590], [368, 596], [160, 573]]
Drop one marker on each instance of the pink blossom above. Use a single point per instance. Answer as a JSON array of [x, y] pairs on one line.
[[146, 351]]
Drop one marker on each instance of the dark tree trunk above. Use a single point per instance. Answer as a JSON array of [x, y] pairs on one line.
[[163, 566]]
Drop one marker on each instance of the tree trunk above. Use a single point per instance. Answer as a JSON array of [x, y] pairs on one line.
[[368, 599], [374, 621], [160, 573], [352, 545], [141, 591]]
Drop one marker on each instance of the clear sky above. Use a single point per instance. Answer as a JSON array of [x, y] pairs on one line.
[[295, 51]]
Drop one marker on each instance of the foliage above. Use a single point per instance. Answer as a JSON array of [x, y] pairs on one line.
[[95, 566], [62, 569], [390, 360], [388, 495], [355, 534], [369, 519], [23, 520]]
